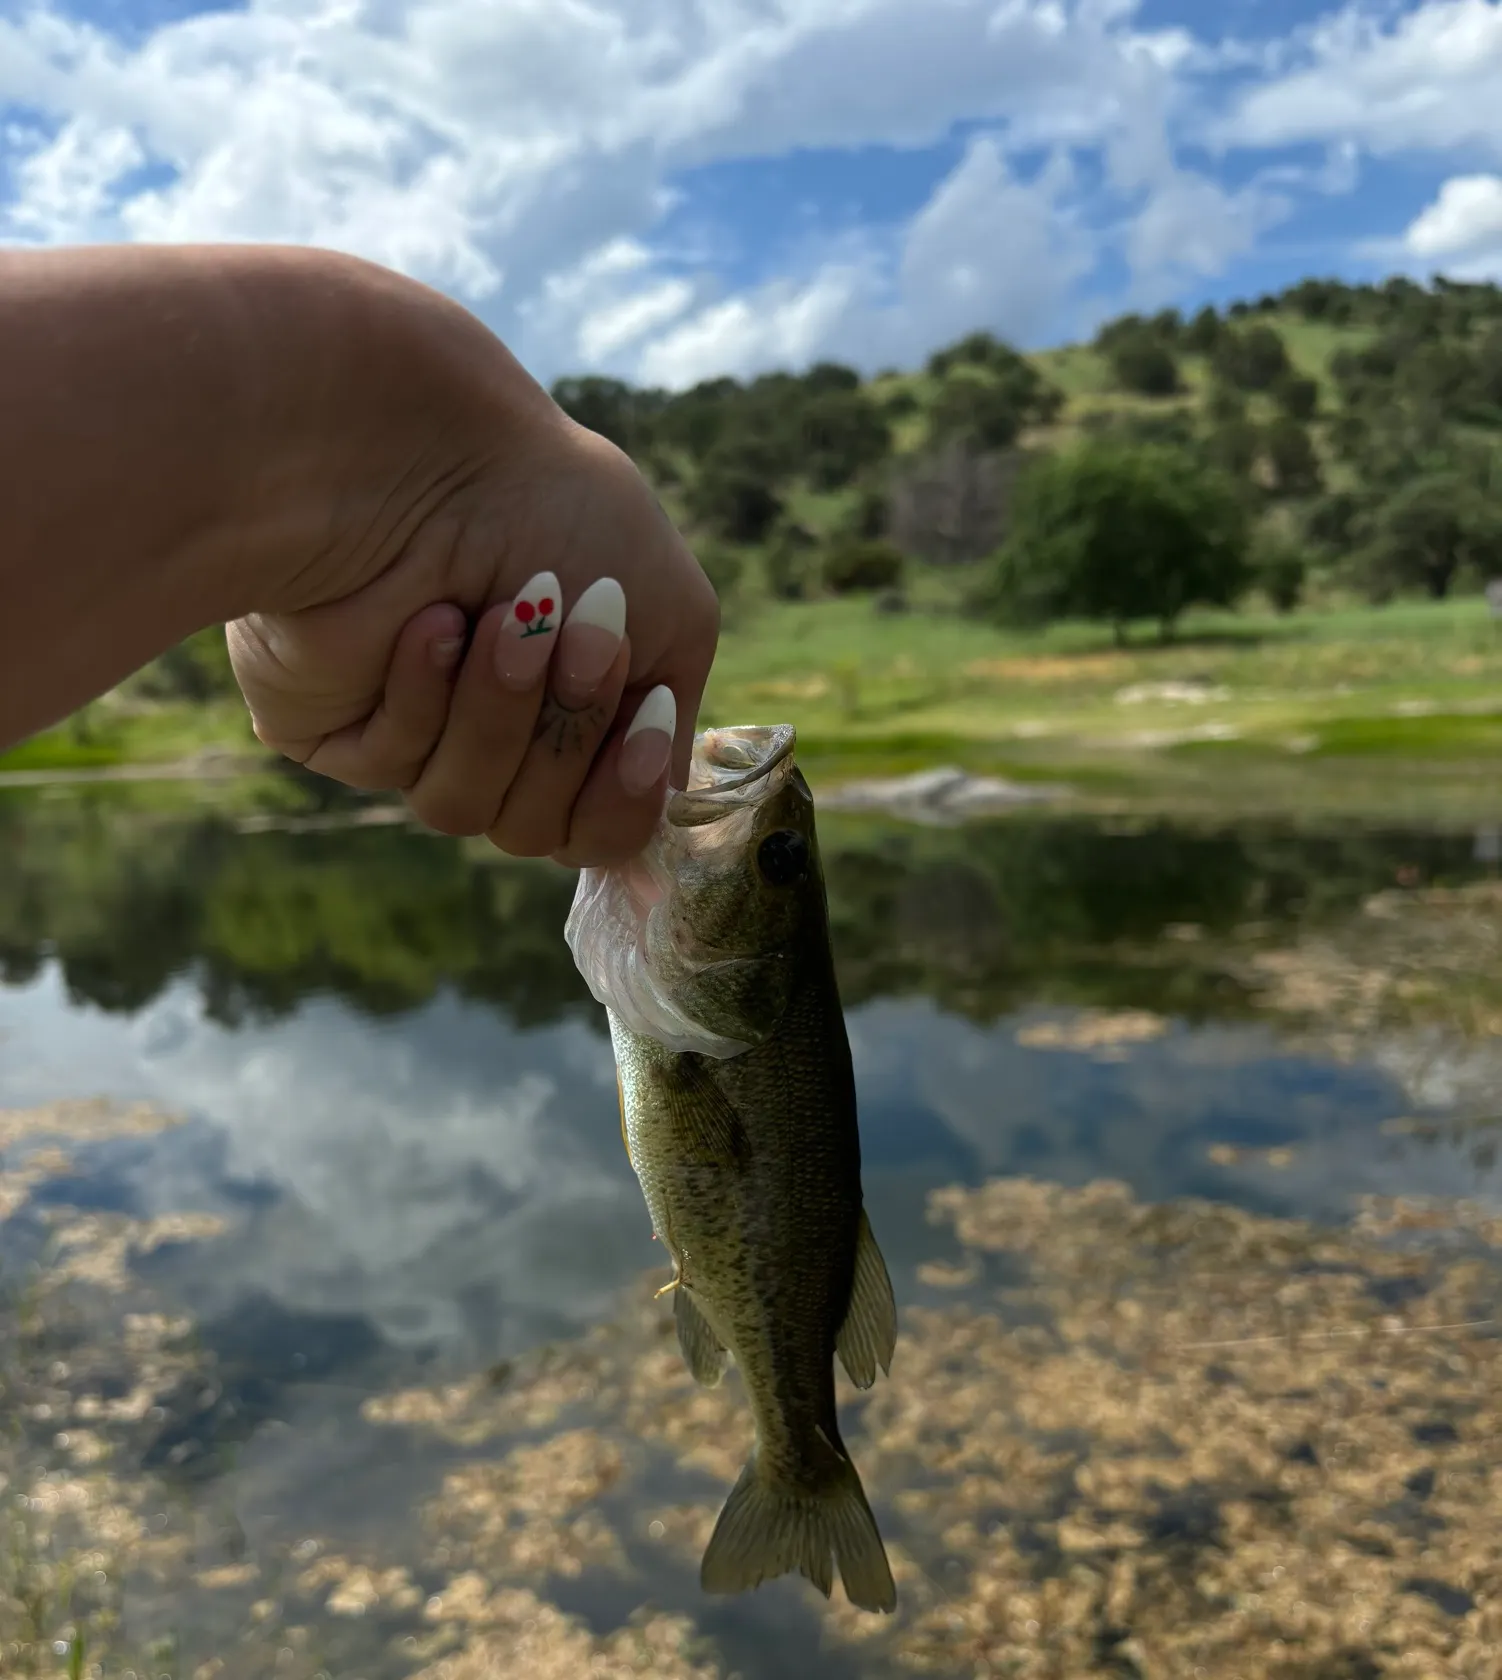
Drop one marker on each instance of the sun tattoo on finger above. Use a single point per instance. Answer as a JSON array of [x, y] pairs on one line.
[[569, 729]]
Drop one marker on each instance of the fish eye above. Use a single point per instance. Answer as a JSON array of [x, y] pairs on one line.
[[782, 857]]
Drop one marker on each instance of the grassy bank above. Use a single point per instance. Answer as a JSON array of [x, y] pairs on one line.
[[1343, 693], [1345, 704]]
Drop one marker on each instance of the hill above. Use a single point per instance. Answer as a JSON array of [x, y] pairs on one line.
[[852, 525]]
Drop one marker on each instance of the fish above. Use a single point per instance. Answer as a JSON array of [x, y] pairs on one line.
[[711, 954]]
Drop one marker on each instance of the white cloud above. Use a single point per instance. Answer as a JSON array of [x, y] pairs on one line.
[[1464, 220], [1424, 79], [617, 325], [780, 325], [987, 250], [66, 187], [522, 154], [1192, 225]]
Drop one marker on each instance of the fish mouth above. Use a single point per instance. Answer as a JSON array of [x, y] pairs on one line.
[[728, 769], [620, 916]]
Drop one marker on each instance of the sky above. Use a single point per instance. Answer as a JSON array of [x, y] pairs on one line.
[[669, 190]]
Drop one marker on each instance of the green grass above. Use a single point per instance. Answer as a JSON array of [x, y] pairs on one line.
[[107, 734], [1349, 692]]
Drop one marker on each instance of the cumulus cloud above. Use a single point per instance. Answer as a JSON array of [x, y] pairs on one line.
[[1463, 223], [1422, 78], [524, 154], [987, 249]]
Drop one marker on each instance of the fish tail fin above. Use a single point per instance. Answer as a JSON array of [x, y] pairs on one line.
[[767, 1529]]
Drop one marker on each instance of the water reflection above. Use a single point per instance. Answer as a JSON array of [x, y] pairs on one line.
[[396, 1164]]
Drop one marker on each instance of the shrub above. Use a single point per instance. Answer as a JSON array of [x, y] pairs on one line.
[[1144, 364], [1253, 358], [855, 565]]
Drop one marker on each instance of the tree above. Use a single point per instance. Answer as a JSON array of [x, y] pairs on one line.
[[1280, 567], [1234, 446], [1297, 395], [871, 515], [1251, 358], [1291, 455], [791, 562], [724, 567], [1143, 363], [196, 669], [978, 349], [1203, 332], [694, 419], [612, 408], [1427, 531], [1224, 403], [1488, 376], [977, 410], [831, 376], [843, 432], [1330, 522], [1121, 531], [733, 498], [1029, 393]]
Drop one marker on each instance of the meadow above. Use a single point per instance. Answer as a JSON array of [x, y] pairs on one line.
[[1365, 689]]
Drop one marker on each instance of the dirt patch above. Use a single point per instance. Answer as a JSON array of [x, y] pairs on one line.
[[1053, 670]]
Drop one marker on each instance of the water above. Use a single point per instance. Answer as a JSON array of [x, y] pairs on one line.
[[394, 1165]]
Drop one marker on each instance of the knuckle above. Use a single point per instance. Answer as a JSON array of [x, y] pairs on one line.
[[447, 814], [528, 836]]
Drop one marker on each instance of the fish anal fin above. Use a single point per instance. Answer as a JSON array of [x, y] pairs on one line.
[[868, 1337], [703, 1351], [767, 1530]]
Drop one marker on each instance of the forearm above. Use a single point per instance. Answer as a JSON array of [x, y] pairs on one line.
[[180, 430]]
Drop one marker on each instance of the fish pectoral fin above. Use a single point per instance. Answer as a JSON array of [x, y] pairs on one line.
[[767, 1530], [703, 1351], [868, 1337], [703, 1116]]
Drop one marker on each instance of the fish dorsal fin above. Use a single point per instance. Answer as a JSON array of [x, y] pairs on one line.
[[703, 1351], [868, 1337]]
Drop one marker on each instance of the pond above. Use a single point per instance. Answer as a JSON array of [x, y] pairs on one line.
[[329, 1339]]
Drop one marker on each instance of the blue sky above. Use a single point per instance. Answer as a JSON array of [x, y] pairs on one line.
[[669, 189]]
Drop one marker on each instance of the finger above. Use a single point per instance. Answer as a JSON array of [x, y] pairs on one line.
[[492, 715], [585, 682], [390, 748], [534, 821], [619, 805]]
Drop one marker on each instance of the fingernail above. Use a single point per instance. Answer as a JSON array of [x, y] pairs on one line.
[[446, 651], [649, 741], [527, 637], [590, 639]]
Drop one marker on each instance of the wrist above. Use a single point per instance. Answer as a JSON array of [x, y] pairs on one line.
[[373, 401]]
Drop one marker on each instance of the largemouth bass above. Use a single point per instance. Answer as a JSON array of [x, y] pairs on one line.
[[711, 954]]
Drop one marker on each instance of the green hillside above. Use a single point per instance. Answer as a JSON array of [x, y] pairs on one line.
[[1289, 506]]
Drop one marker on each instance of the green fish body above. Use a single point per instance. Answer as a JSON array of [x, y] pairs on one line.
[[711, 954]]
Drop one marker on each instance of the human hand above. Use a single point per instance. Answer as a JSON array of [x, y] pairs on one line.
[[527, 665]]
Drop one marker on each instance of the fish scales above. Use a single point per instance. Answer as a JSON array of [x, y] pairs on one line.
[[712, 957]]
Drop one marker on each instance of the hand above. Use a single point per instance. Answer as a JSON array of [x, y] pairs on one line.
[[528, 665]]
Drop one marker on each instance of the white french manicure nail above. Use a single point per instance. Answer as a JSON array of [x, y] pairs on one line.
[[590, 639], [648, 742]]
